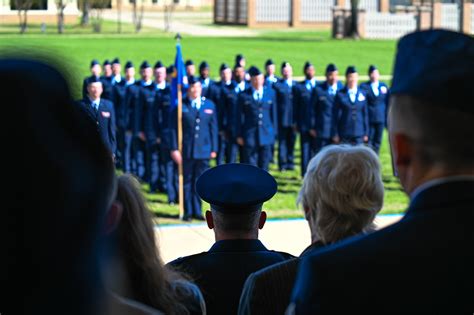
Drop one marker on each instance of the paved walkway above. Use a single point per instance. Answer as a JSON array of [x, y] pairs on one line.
[[192, 23], [291, 236]]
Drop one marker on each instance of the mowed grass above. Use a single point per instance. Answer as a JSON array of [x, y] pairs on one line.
[[76, 48]]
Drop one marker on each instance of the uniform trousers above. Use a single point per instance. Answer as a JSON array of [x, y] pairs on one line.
[[192, 169], [286, 148], [375, 136]]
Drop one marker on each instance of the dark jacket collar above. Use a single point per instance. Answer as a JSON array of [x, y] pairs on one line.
[[450, 195], [238, 246], [312, 247]]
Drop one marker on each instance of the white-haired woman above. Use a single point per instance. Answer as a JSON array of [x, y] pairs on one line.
[[342, 193]]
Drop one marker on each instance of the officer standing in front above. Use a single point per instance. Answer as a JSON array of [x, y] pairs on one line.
[[236, 193], [258, 115], [199, 123], [285, 90], [101, 111], [304, 115], [323, 104], [377, 101], [350, 111]]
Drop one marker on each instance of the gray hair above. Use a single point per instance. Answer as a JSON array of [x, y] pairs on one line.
[[343, 191], [442, 135]]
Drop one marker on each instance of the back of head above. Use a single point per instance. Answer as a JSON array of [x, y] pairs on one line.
[[61, 186], [342, 192], [435, 112]]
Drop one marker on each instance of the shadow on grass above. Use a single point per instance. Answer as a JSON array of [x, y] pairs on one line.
[[158, 214]]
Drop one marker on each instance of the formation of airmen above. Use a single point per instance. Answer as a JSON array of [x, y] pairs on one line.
[[241, 118]]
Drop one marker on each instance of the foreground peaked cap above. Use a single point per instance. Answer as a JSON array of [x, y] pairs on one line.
[[437, 66], [236, 188]]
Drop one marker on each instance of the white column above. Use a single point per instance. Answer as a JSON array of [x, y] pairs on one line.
[[4, 6]]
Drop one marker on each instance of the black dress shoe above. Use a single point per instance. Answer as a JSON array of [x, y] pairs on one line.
[[199, 217], [187, 219]]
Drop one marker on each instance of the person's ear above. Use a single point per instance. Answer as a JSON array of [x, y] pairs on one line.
[[403, 150], [262, 220], [113, 216], [209, 220]]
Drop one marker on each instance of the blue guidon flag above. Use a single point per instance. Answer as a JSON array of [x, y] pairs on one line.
[[179, 75]]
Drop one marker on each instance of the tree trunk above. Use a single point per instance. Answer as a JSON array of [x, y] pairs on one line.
[[60, 6], [85, 13], [119, 16], [354, 19]]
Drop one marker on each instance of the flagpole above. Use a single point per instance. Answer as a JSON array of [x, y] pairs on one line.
[[180, 145]]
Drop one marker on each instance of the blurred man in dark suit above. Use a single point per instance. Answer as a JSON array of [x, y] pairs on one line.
[[426, 259]]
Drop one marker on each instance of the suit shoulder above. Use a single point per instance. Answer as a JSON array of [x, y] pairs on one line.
[[182, 261]]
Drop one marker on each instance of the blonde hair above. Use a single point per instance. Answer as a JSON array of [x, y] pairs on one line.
[[343, 191], [149, 281]]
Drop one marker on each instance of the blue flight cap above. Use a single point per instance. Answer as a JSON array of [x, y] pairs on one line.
[[193, 80], [372, 68], [95, 62], [203, 65], [106, 62], [239, 58], [331, 68], [223, 67], [437, 66], [350, 70], [254, 71], [236, 188], [189, 63], [158, 64], [129, 64], [307, 65], [285, 64], [145, 65], [116, 61], [269, 62], [94, 80]]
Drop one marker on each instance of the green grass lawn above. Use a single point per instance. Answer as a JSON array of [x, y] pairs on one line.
[[77, 47]]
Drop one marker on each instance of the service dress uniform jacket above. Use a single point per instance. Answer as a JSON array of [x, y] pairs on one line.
[[432, 268], [104, 117], [221, 272], [351, 118], [323, 102], [377, 103]]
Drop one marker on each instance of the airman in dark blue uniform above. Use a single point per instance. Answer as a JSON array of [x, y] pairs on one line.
[[241, 85], [145, 93], [190, 68], [323, 104], [101, 111], [200, 130], [350, 111], [257, 113], [107, 80], [226, 110], [285, 91], [236, 193], [96, 69], [118, 98], [377, 101], [150, 126], [131, 101], [270, 77], [304, 115]]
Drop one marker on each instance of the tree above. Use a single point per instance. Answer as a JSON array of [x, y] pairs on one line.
[[86, 7], [137, 17], [354, 27], [61, 5], [119, 16], [169, 9], [97, 8], [23, 6]]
